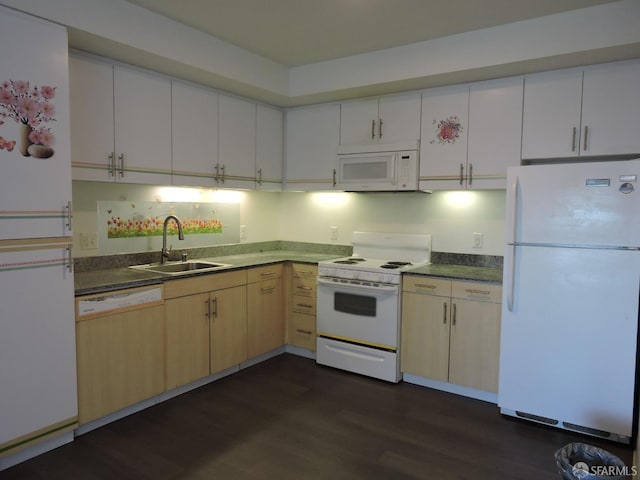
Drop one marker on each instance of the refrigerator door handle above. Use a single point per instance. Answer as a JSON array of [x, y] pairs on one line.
[[510, 275], [512, 216]]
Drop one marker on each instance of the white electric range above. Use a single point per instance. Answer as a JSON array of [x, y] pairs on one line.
[[359, 300]]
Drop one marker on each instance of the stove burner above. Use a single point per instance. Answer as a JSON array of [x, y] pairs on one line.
[[350, 260], [389, 266]]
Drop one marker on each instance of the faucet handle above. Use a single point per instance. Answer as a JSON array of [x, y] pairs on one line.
[[184, 257]]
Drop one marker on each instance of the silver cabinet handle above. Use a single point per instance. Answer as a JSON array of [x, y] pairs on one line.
[[207, 311], [112, 164], [477, 292], [306, 332], [215, 307], [334, 177], [461, 173], [470, 180], [453, 320], [586, 133], [217, 175], [70, 259], [373, 129], [267, 290], [379, 128], [222, 168], [444, 316], [69, 214], [573, 139], [121, 159], [259, 176]]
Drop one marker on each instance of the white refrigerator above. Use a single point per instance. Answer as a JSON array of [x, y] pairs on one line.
[[570, 304]]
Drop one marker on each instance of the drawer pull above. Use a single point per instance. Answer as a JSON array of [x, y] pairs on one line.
[[305, 305], [478, 292], [267, 290], [267, 274], [306, 332], [302, 287], [425, 285]]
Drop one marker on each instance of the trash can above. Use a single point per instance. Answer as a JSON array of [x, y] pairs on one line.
[[579, 461]]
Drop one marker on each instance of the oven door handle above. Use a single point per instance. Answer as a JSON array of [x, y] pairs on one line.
[[391, 289]]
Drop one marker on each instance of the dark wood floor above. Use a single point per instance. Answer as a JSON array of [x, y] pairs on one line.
[[288, 418]]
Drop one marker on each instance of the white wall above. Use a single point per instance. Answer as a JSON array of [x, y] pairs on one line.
[[451, 217]]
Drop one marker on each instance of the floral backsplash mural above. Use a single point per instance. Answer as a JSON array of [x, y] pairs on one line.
[[32, 108], [146, 219], [448, 130]]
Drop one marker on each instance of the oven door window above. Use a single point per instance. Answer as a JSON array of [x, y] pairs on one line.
[[364, 306]]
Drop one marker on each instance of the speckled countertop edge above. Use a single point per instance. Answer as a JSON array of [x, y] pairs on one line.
[[100, 280]]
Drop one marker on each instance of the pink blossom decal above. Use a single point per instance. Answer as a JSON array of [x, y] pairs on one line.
[[447, 130], [32, 108]]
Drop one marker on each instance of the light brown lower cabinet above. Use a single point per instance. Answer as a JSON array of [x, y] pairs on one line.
[[206, 325], [265, 309], [120, 357], [451, 331], [301, 292]]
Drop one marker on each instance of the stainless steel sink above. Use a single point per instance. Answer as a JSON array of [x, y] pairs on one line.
[[177, 268]]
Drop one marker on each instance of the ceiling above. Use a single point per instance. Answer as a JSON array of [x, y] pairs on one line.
[[301, 32]]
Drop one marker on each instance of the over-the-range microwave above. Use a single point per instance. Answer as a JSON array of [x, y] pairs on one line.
[[377, 168]]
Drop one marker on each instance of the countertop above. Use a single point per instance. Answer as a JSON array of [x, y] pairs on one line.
[[459, 272], [99, 281]]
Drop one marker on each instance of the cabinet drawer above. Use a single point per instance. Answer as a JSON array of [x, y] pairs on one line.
[[304, 304], [304, 270], [303, 331], [267, 272], [426, 285], [305, 287], [482, 292], [204, 283]]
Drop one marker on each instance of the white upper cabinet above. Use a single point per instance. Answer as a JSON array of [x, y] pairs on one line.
[[390, 119], [312, 135], [470, 134], [593, 111], [611, 110], [120, 123], [92, 129], [443, 141], [269, 148], [495, 132], [236, 143], [194, 119], [142, 112]]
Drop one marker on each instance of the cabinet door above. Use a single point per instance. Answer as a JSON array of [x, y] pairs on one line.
[[194, 118], [443, 144], [551, 114], [228, 337], [265, 317], [269, 148], [92, 129], [495, 131], [187, 333], [142, 106], [611, 110], [37, 346], [400, 117], [120, 361], [425, 335], [236, 142], [475, 344], [359, 122], [312, 135]]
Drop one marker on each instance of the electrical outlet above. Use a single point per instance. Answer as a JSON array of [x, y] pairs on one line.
[[88, 241], [333, 233], [243, 232], [478, 239]]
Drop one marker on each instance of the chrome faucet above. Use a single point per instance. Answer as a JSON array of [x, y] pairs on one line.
[[165, 254]]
